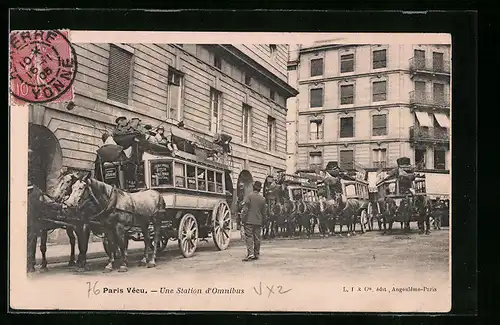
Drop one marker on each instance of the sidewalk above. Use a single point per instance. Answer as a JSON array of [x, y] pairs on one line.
[[61, 253]]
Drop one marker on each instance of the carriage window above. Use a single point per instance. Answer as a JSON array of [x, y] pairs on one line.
[[211, 180], [191, 177], [161, 173], [202, 183], [218, 182], [180, 175], [350, 190]]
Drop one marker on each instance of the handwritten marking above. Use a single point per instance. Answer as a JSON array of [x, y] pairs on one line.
[[92, 290], [271, 290]]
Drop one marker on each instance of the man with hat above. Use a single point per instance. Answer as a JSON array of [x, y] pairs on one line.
[[253, 213]]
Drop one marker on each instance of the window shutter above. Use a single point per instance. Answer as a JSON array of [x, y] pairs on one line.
[[379, 121], [316, 67], [120, 62], [316, 99], [347, 159]]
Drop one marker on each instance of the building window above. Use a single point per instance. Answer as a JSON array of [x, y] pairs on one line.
[[346, 127], [119, 74], [246, 131], [315, 160], [346, 160], [437, 61], [346, 94], [272, 51], [438, 93], [347, 63], [215, 110], [272, 94], [439, 159], [271, 133], [217, 62], [316, 99], [316, 67], [420, 88], [419, 58], [380, 158], [379, 91], [248, 79], [174, 100], [421, 158], [379, 126], [379, 59], [316, 129]]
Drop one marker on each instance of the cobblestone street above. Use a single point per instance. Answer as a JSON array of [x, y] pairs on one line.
[[370, 260]]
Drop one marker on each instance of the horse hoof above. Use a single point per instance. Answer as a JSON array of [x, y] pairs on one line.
[[107, 270], [31, 270], [44, 269], [81, 269], [150, 265], [71, 263], [142, 263], [123, 269]]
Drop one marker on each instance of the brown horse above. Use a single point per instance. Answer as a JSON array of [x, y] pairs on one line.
[[118, 212], [348, 211], [41, 209], [327, 217], [388, 210]]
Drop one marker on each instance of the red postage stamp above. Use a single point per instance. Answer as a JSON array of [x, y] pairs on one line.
[[43, 66]]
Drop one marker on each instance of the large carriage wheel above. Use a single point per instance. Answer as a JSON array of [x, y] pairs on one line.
[[221, 221], [363, 219], [188, 235], [370, 216]]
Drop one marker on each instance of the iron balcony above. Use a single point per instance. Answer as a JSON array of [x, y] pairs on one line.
[[431, 134], [429, 66], [420, 98]]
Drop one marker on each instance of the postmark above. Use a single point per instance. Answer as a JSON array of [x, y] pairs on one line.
[[43, 66]]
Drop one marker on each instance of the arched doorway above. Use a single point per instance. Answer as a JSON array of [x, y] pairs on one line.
[[45, 159]]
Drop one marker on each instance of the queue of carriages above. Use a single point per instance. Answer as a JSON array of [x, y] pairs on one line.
[[299, 204]]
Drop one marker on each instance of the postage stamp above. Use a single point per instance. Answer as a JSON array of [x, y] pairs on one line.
[[43, 66], [304, 172]]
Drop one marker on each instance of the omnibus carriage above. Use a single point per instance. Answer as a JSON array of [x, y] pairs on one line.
[[197, 192], [397, 183]]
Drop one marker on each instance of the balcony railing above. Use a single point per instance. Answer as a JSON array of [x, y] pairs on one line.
[[316, 135], [430, 65], [429, 99], [424, 134]]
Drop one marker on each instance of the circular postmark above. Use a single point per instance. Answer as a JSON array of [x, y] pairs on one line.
[[43, 66]]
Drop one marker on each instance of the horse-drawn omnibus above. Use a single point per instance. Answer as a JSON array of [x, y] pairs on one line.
[[292, 202], [402, 183], [196, 187]]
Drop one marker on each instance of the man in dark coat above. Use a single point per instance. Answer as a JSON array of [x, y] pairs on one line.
[[252, 216]]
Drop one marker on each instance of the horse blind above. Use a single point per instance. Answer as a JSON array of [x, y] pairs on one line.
[[120, 62]]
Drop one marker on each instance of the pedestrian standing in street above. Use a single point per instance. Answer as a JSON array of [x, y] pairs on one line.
[[252, 216]]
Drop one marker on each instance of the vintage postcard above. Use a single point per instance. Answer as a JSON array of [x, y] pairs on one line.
[[179, 171]]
